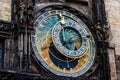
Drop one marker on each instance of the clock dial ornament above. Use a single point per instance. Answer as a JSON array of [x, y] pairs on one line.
[[71, 34], [60, 44]]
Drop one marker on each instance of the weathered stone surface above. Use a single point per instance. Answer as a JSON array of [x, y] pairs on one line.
[[118, 66], [112, 64], [113, 15], [5, 10]]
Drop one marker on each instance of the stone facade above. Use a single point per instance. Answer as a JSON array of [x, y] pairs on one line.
[[113, 16], [118, 66], [5, 10]]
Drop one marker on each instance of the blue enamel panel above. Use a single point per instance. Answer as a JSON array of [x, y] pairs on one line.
[[84, 45], [93, 52], [75, 17], [46, 14], [52, 70], [74, 25], [75, 74], [90, 37], [53, 12], [87, 67], [84, 40], [45, 64], [80, 30], [36, 24], [60, 12], [87, 29], [33, 39], [79, 51], [82, 33], [82, 49], [60, 73], [69, 75], [81, 23], [33, 32], [68, 14], [35, 49], [92, 45], [40, 18], [90, 60], [70, 23], [82, 71], [39, 57]]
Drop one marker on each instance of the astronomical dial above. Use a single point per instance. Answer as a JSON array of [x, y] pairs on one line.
[[69, 39], [63, 44]]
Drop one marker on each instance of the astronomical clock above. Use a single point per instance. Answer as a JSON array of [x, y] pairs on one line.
[[53, 40], [63, 42]]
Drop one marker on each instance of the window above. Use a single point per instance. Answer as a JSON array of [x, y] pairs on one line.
[[1, 54]]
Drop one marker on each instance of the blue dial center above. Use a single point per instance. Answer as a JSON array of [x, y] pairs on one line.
[[68, 39]]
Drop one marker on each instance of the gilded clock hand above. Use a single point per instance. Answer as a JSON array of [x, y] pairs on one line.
[[44, 47], [62, 23], [62, 19]]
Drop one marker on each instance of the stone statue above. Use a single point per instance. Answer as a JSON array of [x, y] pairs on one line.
[[21, 15], [30, 17]]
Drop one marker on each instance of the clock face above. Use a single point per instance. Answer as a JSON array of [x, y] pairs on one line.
[[63, 44], [69, 39]]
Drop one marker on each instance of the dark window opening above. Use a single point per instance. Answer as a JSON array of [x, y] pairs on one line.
[[1, 53]]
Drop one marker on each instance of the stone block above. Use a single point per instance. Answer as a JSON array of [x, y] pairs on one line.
[[113, 74], [5, 10], [117, 50], [113, 15]]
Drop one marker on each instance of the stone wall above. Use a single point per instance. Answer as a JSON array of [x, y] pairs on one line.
[[113, 16], [118, 66], [5, 10]]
